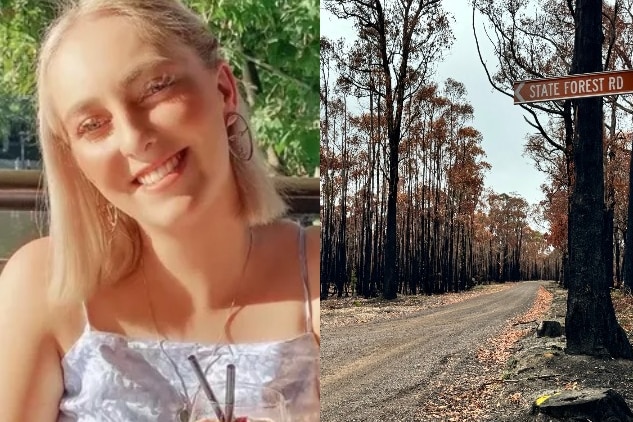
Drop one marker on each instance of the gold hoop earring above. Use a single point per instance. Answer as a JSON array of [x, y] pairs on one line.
[[240, 149], [112, 216]]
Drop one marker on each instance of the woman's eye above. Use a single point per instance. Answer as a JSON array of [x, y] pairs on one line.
[[158, 85], [90, 125]]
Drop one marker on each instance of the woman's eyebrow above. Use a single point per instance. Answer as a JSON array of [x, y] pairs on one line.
[[140, 69], [79, 108], [130, 78]]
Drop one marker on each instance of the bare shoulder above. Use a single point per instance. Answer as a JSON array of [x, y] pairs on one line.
[[27, 268], [29, 355], [23, 283], [285, 232], [313, 248], [37, 249], [312, 243]]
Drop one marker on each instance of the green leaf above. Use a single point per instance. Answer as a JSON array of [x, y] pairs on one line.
[[280, 37]]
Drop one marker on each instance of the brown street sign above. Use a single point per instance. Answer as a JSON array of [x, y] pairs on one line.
[[574, 86]]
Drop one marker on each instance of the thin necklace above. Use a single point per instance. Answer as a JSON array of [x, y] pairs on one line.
[[184, 412]]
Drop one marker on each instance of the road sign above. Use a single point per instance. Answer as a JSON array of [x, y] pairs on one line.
[[574, 86]]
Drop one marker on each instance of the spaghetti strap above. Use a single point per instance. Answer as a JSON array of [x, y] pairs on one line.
[[304, 277], [84, 308]]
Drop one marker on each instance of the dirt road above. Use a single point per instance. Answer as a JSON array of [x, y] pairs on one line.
[[381, 371]]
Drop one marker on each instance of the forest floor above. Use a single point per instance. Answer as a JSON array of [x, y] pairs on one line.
[[529, 367], [496, 379]]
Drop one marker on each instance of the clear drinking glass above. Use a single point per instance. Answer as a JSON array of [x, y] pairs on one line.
[[258, 404]]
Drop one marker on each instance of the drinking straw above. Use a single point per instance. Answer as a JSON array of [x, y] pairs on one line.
[[206, 387], [230, 392]]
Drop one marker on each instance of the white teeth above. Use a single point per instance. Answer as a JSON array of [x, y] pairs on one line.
[[158, 174]]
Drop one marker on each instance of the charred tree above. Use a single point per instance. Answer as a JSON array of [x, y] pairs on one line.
[[590, 324]]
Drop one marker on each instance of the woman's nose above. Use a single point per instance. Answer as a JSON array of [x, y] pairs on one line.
[[136, 135]]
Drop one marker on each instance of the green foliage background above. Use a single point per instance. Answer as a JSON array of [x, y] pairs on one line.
[[277, 39]]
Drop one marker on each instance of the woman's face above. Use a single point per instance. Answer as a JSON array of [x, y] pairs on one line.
[[146, 125]]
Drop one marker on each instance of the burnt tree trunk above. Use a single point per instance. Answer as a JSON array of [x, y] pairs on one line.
[[618, 258], [590, 325], [608, 244], [628, 237], [391, 257]]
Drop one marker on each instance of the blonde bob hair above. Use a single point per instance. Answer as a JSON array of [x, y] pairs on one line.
[[88, 248]]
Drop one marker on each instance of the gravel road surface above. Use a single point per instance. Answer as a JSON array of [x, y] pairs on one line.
[[381, 371]]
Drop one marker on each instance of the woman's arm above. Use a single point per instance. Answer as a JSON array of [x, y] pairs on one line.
[[313, 249], [30, 373]]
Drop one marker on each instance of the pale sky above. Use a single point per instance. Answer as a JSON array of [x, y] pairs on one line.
[[501, 123]]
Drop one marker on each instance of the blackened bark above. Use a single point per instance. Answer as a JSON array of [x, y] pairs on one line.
[[628, 242], [565, 270], [618, 258], [391, 257], [608, 244], [591, 327]]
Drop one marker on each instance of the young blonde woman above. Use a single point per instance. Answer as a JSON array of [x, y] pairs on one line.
[[165, 233]]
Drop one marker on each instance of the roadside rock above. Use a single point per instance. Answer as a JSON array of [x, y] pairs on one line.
[[549, 329], [540, 365], [595, 405]]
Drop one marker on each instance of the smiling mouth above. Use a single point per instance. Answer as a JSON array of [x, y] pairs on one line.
[[158, 174]]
